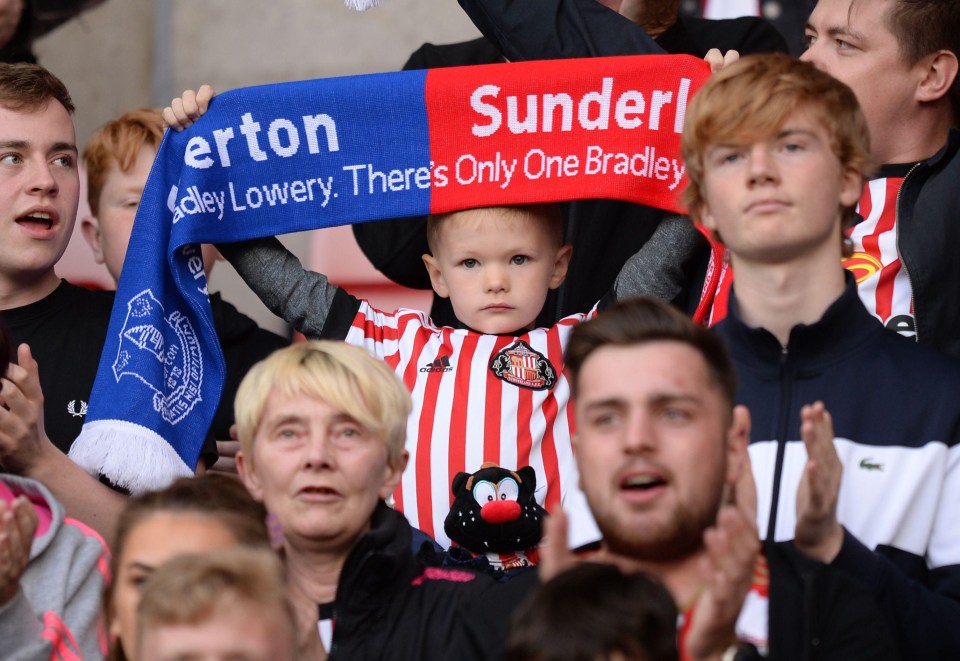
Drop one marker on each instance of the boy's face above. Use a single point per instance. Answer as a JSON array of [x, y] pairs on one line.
[[238, 630], [496, 267], [108, 234], [779, 199], [851, 41], [39, 190]]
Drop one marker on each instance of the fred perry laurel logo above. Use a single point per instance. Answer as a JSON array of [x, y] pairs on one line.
[[74, 410], [522, 366]]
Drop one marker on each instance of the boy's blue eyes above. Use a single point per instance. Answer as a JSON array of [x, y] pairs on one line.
[[516, 260]]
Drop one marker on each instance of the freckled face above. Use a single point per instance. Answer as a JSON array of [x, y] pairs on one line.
[[119, 200]]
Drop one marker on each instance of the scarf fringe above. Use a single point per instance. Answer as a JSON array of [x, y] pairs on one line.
[[131, 456], [361, 5]]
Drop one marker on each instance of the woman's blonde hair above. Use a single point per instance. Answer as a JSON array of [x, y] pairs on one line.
[[344, 376]]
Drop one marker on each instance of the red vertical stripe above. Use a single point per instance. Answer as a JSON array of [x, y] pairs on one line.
[[410, 380], [548, 446], [888, 221], [456, 454], [423, 467]]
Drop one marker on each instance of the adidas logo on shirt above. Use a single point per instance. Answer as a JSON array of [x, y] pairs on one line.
[[441, 364]]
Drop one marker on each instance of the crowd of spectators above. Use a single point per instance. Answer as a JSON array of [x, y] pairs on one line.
[[779, 479]]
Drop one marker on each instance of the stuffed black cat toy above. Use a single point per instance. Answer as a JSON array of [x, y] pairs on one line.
[[495, 515]]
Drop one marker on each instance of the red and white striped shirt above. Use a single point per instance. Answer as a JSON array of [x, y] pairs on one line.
[[882, 281], [479, 398]]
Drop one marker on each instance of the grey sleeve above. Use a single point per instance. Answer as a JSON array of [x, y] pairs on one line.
[[57, 613], [21, 634], [300, 297], [662, 266]]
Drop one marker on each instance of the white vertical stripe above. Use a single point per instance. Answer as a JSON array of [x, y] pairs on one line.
[[476, 406], [731, 8], [868, 288]]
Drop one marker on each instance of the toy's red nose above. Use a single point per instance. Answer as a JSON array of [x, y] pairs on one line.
[[500, 511]]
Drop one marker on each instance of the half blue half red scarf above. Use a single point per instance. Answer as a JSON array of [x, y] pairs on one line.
[[299, 156]]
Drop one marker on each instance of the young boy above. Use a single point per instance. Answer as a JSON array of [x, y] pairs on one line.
[[493, 389], [777, 152], [226, 605], [118, 158]]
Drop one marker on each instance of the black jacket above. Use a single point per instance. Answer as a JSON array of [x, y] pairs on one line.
[[896, 421], [244, 344], [928, 239], [604, 233], [391, 606], [819, 614]]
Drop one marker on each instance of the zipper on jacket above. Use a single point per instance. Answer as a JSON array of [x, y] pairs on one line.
[[903, 263], [785, 390]]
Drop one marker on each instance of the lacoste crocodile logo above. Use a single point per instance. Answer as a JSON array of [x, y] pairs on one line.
[[869, 465]]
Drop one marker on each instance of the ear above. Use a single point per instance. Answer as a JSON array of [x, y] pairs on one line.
[[392, 475], [738, 437], [528, 476], [851, 188], [560, 264], [706, 218], [90, 228], [459, 480], [938, 71], [249, 477], [436, 275]]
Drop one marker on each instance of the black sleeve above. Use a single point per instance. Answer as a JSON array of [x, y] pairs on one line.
[[557, 29], [395, 247]]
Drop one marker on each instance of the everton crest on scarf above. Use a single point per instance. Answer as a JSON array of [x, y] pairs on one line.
[[298, 156]]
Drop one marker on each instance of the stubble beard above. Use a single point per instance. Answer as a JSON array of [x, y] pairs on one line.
[[680, 538]]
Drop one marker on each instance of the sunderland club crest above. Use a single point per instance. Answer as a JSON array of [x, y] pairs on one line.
[[173, 370], [520, 365]]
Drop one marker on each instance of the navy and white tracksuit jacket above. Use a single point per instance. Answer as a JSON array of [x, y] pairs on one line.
[[896, 415]]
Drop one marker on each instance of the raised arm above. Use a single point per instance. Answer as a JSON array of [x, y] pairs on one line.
[[664, 265], [26, 450], [924, 617], [300, 297]]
